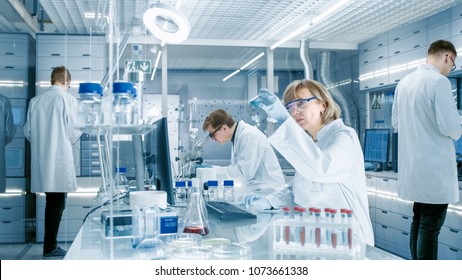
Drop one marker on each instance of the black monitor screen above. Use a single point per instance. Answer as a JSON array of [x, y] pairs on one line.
[[376, 145], [158, 158]]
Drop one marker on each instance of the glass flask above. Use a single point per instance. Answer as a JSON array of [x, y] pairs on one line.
[[151, 247], [196, 219], [122, 106], [90, 112]]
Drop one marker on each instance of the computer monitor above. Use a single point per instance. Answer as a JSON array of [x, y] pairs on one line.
[[158, 158], [376, 145]]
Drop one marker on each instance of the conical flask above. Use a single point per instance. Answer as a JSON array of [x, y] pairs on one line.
[[196, 215], [151, 247]]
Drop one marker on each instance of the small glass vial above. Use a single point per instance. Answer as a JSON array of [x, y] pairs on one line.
[[228, 190], [213, 190], [180, 193], [90, 112], [122, 106]]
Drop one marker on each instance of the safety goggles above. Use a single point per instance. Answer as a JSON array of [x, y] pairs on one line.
[[298, 104], [213, 133]]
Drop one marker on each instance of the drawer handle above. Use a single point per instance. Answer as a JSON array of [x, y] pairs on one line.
[[55, 54], [416, 46], [405, 233], [417, 31], [365, 50], [384, 212], [396, 39], [381, 84], [86, 68], [385, 180], [85, 54], [9, 53], [9, 67], [366, 61], [384, 226], [380, 57], [366, 87], [6, 208], [454, 250], [453, 230], [397, 52], [379, 45], [6, 222], [405, 217], [86, 207]]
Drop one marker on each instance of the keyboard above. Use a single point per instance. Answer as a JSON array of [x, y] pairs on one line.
[[228, 211]]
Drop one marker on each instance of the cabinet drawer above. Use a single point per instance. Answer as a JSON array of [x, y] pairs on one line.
[[408, 44], [72, 46], [372, 214], [11, 213], [13, 62], [448, 253], [407, 31], [438, 20], [13, 48], [71, 212], [394, 204], [451, 237], [441, 32], [73, 199], [12, 200], [12, 227], [374, 43], [90, 163], [397, 221], [387, 186], [73, 64], [15, 156], [373, 55], [398, 237]]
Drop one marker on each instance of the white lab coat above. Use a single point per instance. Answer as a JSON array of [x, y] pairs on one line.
[[9, 129], [254, 164], [329, 173], [425, 114], [51, 119]]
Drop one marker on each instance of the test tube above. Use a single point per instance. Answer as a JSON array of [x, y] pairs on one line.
[[349, 214], [296, 229], [328, 231], [333, 229], [301, 232], [344, 231], [317, 220], [286, 228], [311, 229]]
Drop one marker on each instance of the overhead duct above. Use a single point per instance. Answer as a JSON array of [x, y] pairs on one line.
[[304, 55], [325, 70]]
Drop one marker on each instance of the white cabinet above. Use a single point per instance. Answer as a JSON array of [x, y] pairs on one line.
[[12, 214], [392, 218], [83, 55], [77, 207]]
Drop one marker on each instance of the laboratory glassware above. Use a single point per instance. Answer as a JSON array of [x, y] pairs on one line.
[[90, 112], [196, 220]]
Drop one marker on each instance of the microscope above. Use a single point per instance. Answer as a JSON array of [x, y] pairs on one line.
[[192, 158]]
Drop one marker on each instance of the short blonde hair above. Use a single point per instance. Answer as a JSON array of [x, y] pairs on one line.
[[292, 92]]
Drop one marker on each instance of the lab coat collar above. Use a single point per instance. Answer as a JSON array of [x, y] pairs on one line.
[[328, 127], [428, 66]]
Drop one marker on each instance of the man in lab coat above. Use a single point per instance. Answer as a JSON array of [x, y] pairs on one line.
[[425, 114], [50, 123], [9, 129], [254, 164]]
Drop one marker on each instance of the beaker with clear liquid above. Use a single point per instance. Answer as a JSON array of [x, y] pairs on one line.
[[122, 106], [90, 111], [151, 247], [196, 219]]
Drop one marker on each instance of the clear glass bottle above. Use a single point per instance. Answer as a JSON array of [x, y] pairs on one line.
[[120, 178], [90, 111], [151, 247], [228, 190], [180, 193], [213, 190], [137, 226], [122, 106]]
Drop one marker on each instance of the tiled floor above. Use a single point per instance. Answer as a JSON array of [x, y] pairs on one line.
[[24, 251]]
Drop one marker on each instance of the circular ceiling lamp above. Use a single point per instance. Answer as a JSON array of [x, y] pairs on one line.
[[167, 23]]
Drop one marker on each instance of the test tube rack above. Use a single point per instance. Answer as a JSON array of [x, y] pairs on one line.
[[316, 240]]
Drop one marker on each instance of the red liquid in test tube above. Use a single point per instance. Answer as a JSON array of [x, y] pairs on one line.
[[301, 212], [317, 231], [333, 231], [349, 214]]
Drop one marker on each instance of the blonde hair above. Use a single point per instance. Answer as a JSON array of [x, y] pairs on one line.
[[292, 92]]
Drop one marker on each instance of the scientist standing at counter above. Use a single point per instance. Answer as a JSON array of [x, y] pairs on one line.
[[253, 161], [9, 129], [325, 153], [51, 119], [425, 114]]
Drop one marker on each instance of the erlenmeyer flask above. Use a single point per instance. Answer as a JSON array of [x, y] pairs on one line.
[[196, 215]]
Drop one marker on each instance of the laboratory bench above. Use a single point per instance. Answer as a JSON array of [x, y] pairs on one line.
[[254, 237]]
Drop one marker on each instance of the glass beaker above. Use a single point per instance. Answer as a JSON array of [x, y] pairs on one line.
[[151, 247], [122, 105], [196, 215]]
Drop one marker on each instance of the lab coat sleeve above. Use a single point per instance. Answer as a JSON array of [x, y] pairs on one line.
[[74, 134], [281, 198], [447, 117], [330, 165], [394, 110], [26, 128], [10, 128]]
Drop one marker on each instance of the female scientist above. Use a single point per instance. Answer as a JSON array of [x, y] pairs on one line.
[[325, 153]]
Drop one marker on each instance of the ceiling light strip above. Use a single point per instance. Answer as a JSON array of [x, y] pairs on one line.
[[159, 53], [310, 24], [244, 66]]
